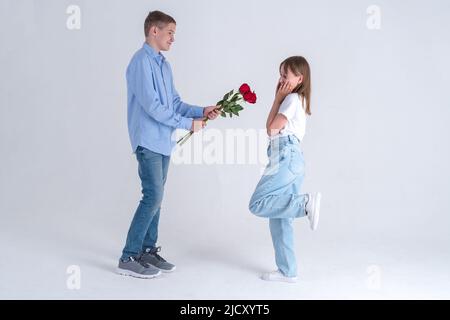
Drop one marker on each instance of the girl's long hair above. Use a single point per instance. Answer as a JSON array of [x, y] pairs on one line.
[[299, 66]]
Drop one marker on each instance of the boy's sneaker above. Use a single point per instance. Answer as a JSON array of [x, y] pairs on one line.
[[313, 208], [134, 268], [152, 258], [277, 276]]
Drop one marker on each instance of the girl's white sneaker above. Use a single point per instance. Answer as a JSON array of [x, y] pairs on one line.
[[313, 208], [277, 276]]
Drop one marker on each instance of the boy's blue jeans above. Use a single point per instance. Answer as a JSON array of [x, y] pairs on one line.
[[143, 232], [277, 197]]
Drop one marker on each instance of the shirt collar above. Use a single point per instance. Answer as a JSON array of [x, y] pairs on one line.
[[159, 57]]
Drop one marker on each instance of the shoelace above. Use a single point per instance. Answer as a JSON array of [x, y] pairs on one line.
[[154, 252], [139, 261]]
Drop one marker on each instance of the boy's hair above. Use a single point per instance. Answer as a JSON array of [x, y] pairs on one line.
[[158, 19], [299, 66]]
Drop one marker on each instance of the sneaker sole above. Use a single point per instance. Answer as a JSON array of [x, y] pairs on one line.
[[316, 211], [130, 273]]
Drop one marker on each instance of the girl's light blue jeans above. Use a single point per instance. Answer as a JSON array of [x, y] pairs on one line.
[[277, 197]]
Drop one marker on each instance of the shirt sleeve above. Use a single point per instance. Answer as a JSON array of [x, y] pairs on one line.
[[288, 107], [181, 107], [140, 82], [186, 110]]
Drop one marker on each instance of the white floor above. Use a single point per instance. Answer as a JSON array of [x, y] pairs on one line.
[[36, 255]]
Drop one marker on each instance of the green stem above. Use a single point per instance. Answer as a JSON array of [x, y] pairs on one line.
[[181, 141]]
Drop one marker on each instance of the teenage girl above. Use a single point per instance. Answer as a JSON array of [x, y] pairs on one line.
[[277, 195]]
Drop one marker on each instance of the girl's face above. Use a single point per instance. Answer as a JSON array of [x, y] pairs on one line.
[[289, 77]]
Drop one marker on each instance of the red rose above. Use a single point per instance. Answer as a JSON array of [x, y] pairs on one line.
[[244, 88], [250, 97]]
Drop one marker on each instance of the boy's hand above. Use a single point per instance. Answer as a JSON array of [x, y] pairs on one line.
[[211, 112], [197, 125]]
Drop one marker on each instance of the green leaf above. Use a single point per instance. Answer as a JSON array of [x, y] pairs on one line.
[[237, 107], [225, 97], [225, 104], [223, 114], [235, 98]]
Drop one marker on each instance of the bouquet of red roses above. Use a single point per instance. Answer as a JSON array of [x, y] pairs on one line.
[[230, 104]]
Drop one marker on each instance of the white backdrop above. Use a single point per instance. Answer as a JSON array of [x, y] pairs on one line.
[[376, 146]]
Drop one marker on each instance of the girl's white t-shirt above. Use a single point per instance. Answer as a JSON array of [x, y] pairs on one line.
[[292, 108]]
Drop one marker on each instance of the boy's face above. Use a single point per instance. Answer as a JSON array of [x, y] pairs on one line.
[[164, 37]]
